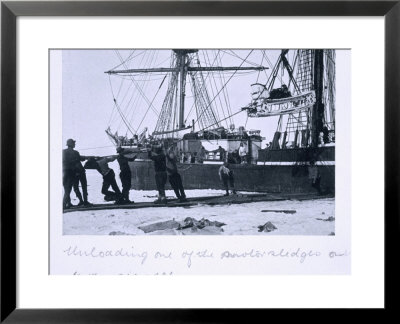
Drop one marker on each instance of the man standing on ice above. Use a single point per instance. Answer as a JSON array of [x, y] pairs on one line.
[[80, 177], [226, 175], [160, 169], [314, 176], [174, 177], [71, 161], [125, 174]]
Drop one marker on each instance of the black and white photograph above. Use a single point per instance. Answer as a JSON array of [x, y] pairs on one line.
[[199, 161], [200, 141]]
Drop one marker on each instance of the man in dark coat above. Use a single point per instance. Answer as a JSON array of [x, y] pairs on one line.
[[69, 158], [160, 169], [222, 153], [125, 174], [101, 165], [174, 177], [80, 177], [71, 161]]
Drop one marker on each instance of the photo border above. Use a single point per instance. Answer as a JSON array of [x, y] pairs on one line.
[[10, 10]]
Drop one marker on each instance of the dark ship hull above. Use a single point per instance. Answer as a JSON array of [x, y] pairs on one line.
[[266, 176]]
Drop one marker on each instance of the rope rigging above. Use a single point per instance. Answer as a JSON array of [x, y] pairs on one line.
[[136, 103], [210, 99], [128, 113], [225, 94], [214, 112], [238, 112], [122, 115], [148, 108], [138, 87], [164, 120], [226, 82], [205, 79]]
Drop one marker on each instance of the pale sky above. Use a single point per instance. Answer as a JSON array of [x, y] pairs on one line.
[[88, 106]]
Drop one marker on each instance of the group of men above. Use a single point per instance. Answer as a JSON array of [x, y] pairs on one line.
[[165, 167], [74, 173]]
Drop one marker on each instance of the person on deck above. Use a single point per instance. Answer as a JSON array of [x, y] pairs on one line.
[[325, 136], [160, 169], [231, 158], [193, 158], [174, 177], [285, 91], [199, 159], [70, 159], [202, 155], [236, 157], [108, 179], [221, 153], [226, 176], [279, 93], [188, 157], [181, 156], [242, 153], [125, 174]]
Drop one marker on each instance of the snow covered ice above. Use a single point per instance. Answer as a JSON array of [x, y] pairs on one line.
[[240, 219]]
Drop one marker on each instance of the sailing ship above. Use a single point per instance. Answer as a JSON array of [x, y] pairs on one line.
[[303, 104]]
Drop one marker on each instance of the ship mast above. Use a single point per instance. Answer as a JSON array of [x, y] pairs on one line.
[[182, 68], [182, 54], [318, 108]]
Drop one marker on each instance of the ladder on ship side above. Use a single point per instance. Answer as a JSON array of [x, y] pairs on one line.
[[297, 130], [304, 77]]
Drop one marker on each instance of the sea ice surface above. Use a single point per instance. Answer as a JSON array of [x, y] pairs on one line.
[[240, 219]]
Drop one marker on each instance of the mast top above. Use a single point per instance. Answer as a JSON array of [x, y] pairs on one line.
[[180, 69], [185, 51], [180, 65]]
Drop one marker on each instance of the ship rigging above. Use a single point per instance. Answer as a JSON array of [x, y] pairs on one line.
[[304, 102], [186, 66], [192, 101], [307, 113]]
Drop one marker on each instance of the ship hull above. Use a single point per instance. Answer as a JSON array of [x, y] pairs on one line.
[[248, 177]]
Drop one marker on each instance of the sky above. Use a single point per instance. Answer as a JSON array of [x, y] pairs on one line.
[[88, 93]]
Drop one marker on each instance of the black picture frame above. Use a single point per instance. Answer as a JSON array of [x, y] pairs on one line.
[[10, 10]]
